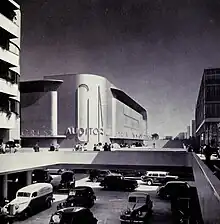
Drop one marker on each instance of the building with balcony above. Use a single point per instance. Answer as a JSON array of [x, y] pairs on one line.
[[208, 107], [82, 108], [10, 18]]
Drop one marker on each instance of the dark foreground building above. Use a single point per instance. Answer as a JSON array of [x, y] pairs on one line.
[[208, 107]]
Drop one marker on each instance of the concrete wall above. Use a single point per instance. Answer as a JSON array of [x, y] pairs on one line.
[[36, 114], [129, 123]]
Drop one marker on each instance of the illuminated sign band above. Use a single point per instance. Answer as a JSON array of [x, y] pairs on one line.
[[84, 131]]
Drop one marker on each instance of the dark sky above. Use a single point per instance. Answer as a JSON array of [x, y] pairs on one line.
[[155, 50]]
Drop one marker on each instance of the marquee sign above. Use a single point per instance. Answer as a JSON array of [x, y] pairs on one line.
[[84, 131]]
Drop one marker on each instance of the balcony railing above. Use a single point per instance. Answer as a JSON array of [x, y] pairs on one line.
[[8, 12], [10, 76]]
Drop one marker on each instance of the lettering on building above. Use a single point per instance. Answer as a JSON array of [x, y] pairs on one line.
[[71, 131], [35, 132]]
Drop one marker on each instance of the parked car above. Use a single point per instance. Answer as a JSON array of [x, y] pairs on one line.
[[132, 174], [157, 177], [30, 199], [139, 208], [73, 215], [118, 182], [41, 176], [67, 181], [98, 175], [174, 189], [79, 196]]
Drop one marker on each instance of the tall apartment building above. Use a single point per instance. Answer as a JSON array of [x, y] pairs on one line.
[[208, 106], [193, 128], [10, 18]]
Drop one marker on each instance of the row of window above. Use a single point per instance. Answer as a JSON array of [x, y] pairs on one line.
[[8, 75], [212, 79], [213, 93], [212, 110], [7, 11], [9, 105]]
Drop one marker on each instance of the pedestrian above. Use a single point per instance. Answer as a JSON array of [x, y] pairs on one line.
[[52, 148], [57, 147], [85, 147], [105, 147], [36, 148], [94, 147]]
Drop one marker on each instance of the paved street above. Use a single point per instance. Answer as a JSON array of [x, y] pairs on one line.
[[108, 206]]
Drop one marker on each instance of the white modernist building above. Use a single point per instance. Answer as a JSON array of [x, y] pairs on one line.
[[79, 108], [10, 18]]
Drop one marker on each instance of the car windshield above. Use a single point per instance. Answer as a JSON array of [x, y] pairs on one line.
[[137, 199], [23, 194], [80, 193], [67, 176]]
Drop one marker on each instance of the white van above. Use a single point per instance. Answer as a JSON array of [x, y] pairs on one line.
[[29, 200]]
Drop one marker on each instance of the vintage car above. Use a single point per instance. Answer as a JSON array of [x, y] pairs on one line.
[[174, 189], [79, 196], [139, 208], [157, 177], [41, 176], [118, 182], [98, 175], [132, 174], [29, 200], [67, 181], [73, 215]]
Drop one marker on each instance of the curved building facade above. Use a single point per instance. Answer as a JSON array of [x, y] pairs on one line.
[[89, 109], [10, 19]]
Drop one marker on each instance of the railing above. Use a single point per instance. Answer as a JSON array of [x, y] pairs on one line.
[[10, 76], [12, 17]]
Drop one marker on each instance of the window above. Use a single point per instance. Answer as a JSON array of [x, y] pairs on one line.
[[155, 174], [162, 175], [34, 194], [141, 199], [23, 194], [132, 199]]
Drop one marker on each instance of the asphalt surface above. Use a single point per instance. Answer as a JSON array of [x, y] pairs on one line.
[[109, 205]]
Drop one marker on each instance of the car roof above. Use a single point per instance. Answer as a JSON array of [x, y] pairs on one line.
[[82, 188], [115, 175], [157, 172], [177, 182], [71, 209], [34, 187], [138, 194], [67, 171]]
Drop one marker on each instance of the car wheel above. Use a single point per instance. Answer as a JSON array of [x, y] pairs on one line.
[[95, 179], [49, 203], [27, 213], [149, 182]]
